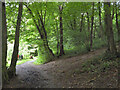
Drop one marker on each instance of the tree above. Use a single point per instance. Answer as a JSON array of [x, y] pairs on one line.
[[61, 32], [88, 21], [100, 22], [55, 28], [81, 24], [57, 35], [108, 29], [92, 21], [12, 68], [39, 20], [117, 23], [4, 45]]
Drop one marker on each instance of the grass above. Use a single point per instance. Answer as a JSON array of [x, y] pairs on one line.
[[20, 61], [42, 59], [38, 62], [23, 61]]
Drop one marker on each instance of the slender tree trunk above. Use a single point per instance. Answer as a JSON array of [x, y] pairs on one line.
[[71, 25], [117, 24], [100, 22], [4, 45], [118, 27], [113, 11], [43, 34], [61, 33], [74, 23], [94, 29], [88, 21], [91, 34], [46, 44], [57, 35], [12, 68], [81, 24], [45, 38], [88, 37], [1, 45], [108, 27]]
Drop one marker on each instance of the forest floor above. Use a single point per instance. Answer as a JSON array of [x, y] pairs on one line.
[[63, 73]]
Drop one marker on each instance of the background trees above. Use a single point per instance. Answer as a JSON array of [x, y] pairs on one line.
[[55, 29], [80, 23]]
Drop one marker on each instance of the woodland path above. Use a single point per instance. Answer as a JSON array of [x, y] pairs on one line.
[[61, 73]]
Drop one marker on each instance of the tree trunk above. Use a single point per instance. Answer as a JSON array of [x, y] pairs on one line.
[[12, 69], [108, 27], [81, 24], [61, 33], [113, 11], [88, 21], [57, 35], [88, 35], [1, 45], [91, 34], [74, 23], [94, 29], [46, 44], [4, 45], [44, 37], [42, 32], [101, 27], [71, 25], [117, 24]]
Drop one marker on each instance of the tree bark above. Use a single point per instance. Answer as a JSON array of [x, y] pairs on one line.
[[45, 38], [74, 23], [117, 24], [57, 35], [61, 33], [91, 34], [81, 24], [94, 29], [108, 27], [113, 11], [88, 21], [88, 37], [1, 45], [4, 45], [12, 68], [100, 22]]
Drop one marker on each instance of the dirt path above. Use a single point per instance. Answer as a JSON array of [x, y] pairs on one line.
[[60, 73], [30, 76]]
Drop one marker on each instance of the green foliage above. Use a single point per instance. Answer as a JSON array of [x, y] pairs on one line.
[[23, 50], [98, 43], [75, 42], [19, 61], [99, 65], [43, 55], [109, 56]]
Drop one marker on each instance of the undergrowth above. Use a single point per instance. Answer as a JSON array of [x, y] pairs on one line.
[[101, 63]]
